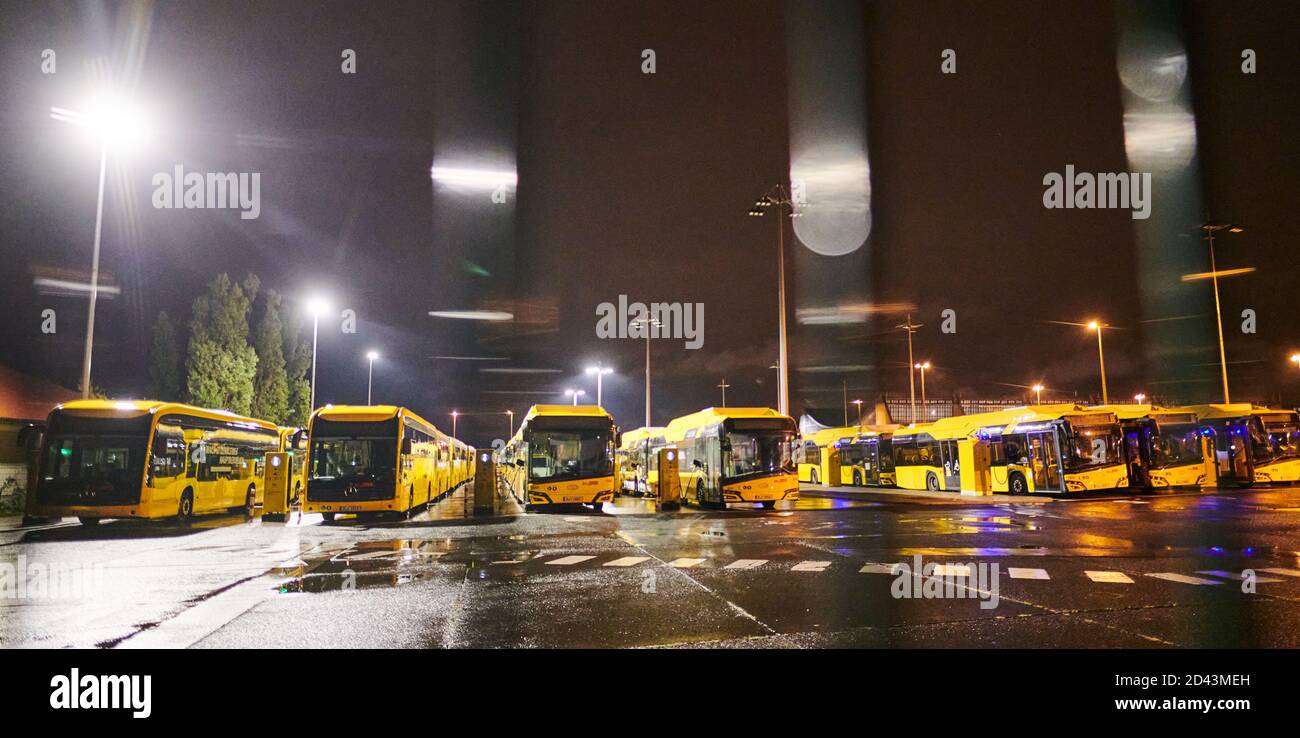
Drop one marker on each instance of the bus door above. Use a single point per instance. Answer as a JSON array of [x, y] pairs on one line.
[[709, 453], [951, 465], [1138, 437], [1233, 453], [1045, 460], [871, 463]]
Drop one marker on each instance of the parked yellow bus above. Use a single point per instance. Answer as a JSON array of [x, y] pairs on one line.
[[1164, 447], [562, 455], [377, 459], [1044, 448], [736, 455], [293, 441], [1252, 444], [638, 474], [865, 456], [145, 459]]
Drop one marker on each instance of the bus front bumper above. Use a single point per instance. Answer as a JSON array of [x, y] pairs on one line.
[[768, 489]]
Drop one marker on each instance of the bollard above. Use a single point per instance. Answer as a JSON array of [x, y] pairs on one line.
[[275, 482], [485, 484], [669, 486]]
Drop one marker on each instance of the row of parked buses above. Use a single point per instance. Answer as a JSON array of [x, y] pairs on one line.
[[145, 459], [1064, 448]]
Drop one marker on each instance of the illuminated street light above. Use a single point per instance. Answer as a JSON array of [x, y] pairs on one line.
[[777, 200], [1210, 229], [911, 328], [117, 125], [454, 414], [370, 375], [600, 372], [1094, 325], [648, 323], [923, 366], [723, 386], [511, 413], [575, 394], [1038, 392], [316, 305], [859, 404], [1139, 398]]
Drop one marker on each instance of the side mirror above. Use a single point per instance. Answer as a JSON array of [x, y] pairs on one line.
[[697, 463], [406, 445], [519, 463]]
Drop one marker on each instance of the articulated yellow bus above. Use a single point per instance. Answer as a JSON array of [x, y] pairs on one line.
[[144, 459], [865, 456], [736, 455], [1164, 447], [377, 459], [1252, 444], [638, 472], [562, 455], [1045, 448]]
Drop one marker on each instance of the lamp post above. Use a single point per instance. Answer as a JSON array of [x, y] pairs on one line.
[[1038, 393], [911, 328], [1210, 229], [859, 404], [317, 306], [370, 374], [723, 386], [777, 200], [511, 413], [923, 366], [575, 394], [1140, 397], [454, 414], [1095, 325], [647, 323], [600, 372]]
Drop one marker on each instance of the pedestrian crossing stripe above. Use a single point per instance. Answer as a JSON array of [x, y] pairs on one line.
[[745, 564], [685, 563], [878, 569], [1109, 577], [1183, 578], [811, 566], [952, 570], [1237, 576], [569, 560], [1018, 573], [627, 561]]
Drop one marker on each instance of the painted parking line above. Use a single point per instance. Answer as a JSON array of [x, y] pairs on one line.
[[1109, 577], [1284, 572], [1183, 578], [811, 566], [952, 570], [745, 564], [878, 569], [627, 561], [1018, 573], [1237, 576], [685, 563], [569, 560]]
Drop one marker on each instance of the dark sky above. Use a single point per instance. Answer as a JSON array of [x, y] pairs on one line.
[[633, 184]]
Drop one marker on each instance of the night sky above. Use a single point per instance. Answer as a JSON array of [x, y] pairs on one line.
[[637, 184]]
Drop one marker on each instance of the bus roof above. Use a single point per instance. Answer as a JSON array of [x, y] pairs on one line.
[[134, 408], [960, 426], [1233, 410], [566, 411], [639, 435], [1134, 411], [372, 413], [712, 415]]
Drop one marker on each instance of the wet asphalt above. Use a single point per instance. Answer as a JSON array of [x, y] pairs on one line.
[[1206, 569]]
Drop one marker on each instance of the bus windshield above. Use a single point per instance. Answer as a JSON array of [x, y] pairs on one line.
[[350, 451], [1093, 445], [94, 459], [555, 455], [1176, 444], [757, 452], [1283, 440]]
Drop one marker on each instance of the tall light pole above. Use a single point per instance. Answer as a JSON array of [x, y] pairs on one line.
[[370, 374], [1210, 229], [911, 328], [925, 409], [1139, 398], [723, 386], [575, 394], [859, 404], [317, 306], [777, 200], [647, 324], [454, 414], [1038, 393], [511, 413], [1295, 359], [1094, 325], [600, 372], [117, 126]]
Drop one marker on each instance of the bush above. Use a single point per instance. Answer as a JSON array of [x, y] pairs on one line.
[[12, 497]]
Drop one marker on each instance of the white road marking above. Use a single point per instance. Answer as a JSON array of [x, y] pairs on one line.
[[1284, 572], [1109, 577], [205, 618], [569, 560], [1238, 576], [811, 566], [1183, 578], [952, 570], [627, 561], [1018, 573], [878, 569], [745, 564], [685, 563]]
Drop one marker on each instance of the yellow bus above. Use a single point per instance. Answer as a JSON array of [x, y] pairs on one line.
[[376, 459], [736, 455], [1252, 444], [1164, 447], [1044, 448], [562, 455], [638, 473], [865, 456], [293, 441], [145, 459]]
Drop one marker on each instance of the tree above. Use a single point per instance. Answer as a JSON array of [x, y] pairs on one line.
[[297, 350], [271, 385], [221, 363], [165, 360]]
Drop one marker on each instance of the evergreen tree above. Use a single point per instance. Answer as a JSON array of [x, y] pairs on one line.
[[221, 364], [297, 351], [165, 360], [271, 385]]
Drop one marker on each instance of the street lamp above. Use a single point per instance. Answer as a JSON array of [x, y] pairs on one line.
[[647, 323], [454, 414], [511, 413], [723, 387], [859, 404], [1139, 398], [1094, 325], [1295, 359], [370, 373], [1038, 393], [923, 366], [777, 200], [1210, 229], [317, 306], [117, 125], [599, 371], [911, 328], [575, 394]]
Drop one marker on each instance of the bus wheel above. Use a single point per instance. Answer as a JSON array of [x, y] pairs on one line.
[[250, 502], [812, 476], [1016, 484], [327, 517], [88, 522], [857, 479], [931, 482], [769, 504], [185, 508]]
